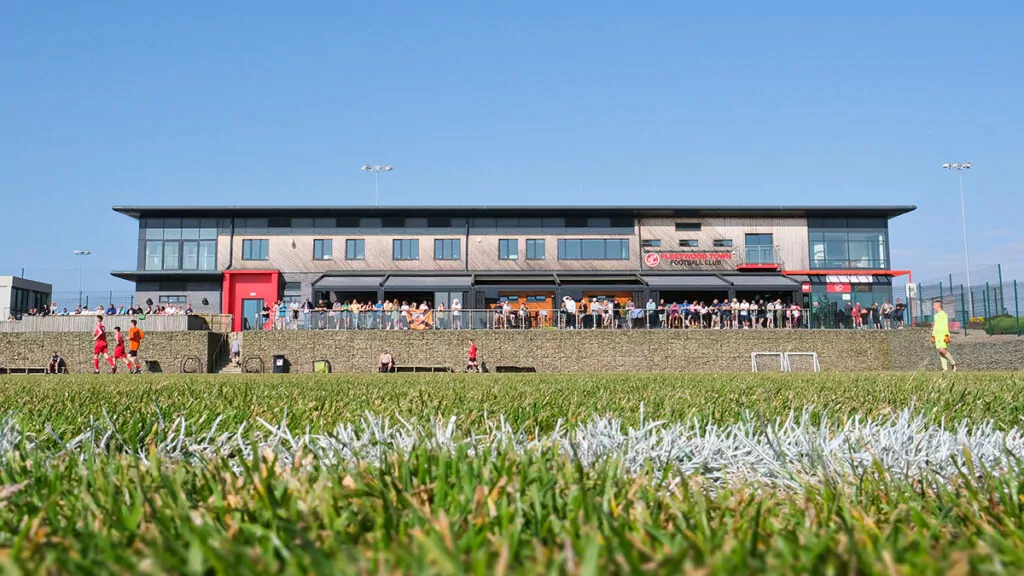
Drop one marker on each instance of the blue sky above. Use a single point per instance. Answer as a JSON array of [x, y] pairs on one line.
[[528, 103]]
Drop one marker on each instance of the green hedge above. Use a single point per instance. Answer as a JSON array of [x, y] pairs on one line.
[[1004, 325]]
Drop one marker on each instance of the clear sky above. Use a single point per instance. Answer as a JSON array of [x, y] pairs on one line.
[[524, 103]]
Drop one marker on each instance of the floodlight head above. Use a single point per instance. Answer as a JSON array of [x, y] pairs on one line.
[[365, 167], [388, 168], [947, 166], [376, 167], [967, 165], [956, 166]]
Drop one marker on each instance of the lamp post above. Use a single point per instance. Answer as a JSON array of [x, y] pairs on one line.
[[81, 261], [960, 167], [376, 169]]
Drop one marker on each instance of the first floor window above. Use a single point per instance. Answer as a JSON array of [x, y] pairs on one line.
[[323, 249], [406, 249], [722, 243], [760, 249], [355, 249], [447, 249], [651, 243], [171, 255], [208, 255], [535, 249], [508, 249], [154, 255], [255, 249], [689, 243], [190, 255], [593, 249]]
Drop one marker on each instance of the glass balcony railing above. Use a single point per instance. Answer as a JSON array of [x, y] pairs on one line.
[[760, 256]]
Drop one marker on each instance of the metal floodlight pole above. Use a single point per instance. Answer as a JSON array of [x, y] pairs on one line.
[[81, 261], [960, 167], [376, 169]]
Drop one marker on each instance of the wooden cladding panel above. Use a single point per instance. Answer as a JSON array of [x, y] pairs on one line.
[[788, 234]]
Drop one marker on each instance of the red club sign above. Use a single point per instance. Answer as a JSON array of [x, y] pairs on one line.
[[652, 259], [838, 288]]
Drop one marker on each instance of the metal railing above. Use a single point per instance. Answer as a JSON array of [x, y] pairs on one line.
[[541, 319], [148, 323]]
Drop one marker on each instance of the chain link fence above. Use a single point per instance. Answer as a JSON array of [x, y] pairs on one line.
[[990, 304]]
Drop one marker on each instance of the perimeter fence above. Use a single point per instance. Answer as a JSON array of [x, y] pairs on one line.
[[989, 304]]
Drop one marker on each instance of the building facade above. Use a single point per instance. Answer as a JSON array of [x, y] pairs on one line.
[[19, 295], [233, 260]]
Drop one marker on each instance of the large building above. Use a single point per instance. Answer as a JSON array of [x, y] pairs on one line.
[[19, 295], [233, 260]]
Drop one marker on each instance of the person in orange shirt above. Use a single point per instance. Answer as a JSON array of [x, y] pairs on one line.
[[135, 336]]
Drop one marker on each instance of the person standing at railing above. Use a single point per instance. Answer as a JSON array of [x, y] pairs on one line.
[[897, 313], [886, 314], [940, 336], [456, 314]]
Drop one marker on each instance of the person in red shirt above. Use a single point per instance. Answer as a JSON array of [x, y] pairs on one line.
[[857, 319], [472, 365], [119, 353], [99, 336]]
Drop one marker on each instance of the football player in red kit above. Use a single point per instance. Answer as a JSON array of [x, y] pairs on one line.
[[119, 353], [99, 336]]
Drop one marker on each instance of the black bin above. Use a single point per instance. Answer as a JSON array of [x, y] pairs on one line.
[[280, 364]]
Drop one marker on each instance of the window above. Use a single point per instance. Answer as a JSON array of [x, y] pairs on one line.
[[415, 222], [208, 255], [687, 226], [849, 249], [447, 249], [535, 249], [171, 252], [439, 222], [393, 222], [537, 298], [190, 255], [154, 255], [355, 249], [575, 222], [323, 249], [255, 249], [508, 249], [760, 249], [689, 243], [346, 223], [406, 249], [279, 223], [593, 249], [172, 300], [650, 243], [722, 243]]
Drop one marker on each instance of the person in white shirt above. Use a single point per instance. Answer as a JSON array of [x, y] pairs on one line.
[[457, 314], [752, 316], [769, 314], [745, 314], [570, 311]]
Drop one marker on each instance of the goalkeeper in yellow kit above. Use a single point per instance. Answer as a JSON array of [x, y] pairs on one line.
[[940, 336]]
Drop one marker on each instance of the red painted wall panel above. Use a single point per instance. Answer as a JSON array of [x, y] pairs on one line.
[[248, 284]]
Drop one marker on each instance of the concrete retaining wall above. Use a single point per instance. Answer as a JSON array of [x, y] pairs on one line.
[[169, 349], [630, 351], [543, 350]]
